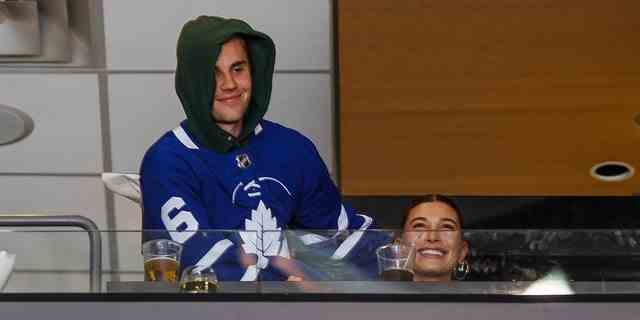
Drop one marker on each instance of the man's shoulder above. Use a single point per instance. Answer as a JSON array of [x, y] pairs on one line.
[[167, 143], [276, 131], [175, 144]]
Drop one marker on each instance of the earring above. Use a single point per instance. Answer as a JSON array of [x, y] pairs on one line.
[[461, 270]]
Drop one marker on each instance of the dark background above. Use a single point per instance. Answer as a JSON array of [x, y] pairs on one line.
[[516, 212], [532, 213]]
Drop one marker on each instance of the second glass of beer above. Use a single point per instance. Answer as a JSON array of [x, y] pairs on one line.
[[395, 262], [161, 260]]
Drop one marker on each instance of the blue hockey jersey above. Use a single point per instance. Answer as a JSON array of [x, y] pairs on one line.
[[264, 179], [275, 181]]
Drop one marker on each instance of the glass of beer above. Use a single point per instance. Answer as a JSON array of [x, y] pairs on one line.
[[395, 262], [197, 279], [161, 260]]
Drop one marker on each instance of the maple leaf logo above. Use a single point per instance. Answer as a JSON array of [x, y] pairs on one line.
[[259, 241]]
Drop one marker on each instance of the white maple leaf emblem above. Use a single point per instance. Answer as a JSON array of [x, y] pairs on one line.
[[259, 241]]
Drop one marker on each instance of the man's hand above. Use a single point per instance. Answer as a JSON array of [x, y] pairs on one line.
[[295, 279]]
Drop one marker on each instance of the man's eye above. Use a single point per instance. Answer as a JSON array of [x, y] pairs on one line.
[[238, 69]]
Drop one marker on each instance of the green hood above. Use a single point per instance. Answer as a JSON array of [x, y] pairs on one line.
[[199, 45]]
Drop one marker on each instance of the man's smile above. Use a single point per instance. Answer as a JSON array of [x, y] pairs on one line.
[[229, 99]]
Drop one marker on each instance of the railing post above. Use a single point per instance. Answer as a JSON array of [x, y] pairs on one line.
[[95, 240]]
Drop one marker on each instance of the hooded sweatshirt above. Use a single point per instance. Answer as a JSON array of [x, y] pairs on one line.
[[198, 48], [228, 203]]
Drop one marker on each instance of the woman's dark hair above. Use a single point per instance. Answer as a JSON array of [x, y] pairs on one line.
[[432, 198]]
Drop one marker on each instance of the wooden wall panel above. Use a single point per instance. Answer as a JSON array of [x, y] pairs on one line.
[[487, 97]]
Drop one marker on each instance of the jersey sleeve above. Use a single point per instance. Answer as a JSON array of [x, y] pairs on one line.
[[321, 207], [173, 209]]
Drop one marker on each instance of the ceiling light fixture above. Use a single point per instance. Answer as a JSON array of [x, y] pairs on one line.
[[612, 171], [15, 125]]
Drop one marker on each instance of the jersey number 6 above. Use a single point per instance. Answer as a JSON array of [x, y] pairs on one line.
[[183, 223]]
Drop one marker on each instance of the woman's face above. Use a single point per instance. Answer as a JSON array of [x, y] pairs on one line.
[[434, 228]]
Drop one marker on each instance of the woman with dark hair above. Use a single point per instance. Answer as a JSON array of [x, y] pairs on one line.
[[434, 225]]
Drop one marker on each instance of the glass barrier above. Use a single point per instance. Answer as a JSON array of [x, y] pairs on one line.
[[498, 262]]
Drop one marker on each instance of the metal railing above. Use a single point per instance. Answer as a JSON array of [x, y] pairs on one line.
[[95, 240]]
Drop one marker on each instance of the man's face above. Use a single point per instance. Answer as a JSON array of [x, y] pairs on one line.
[[434, 228], [233, 86]]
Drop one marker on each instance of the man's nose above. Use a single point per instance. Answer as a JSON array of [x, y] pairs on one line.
[[227, 82]]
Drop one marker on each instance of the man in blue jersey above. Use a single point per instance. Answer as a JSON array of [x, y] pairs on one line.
[[225, 167]]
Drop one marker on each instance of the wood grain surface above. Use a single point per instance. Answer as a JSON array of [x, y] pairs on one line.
[[487, 97]]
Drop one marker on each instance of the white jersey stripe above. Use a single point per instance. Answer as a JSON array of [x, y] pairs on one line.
[[284, 250], [214, 253], [312, 238], [352, 240], [343, 219], [184, 138], [251, 274]]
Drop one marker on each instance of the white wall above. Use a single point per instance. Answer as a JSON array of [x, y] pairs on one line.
[[91, 120], [300, 29]]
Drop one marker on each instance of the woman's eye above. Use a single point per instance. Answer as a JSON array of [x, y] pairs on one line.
[[449, 227], [238, 69], [419, 226]]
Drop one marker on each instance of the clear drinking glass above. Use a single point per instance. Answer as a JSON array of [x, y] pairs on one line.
[[196, 279], [161, 260], [395, 262]]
